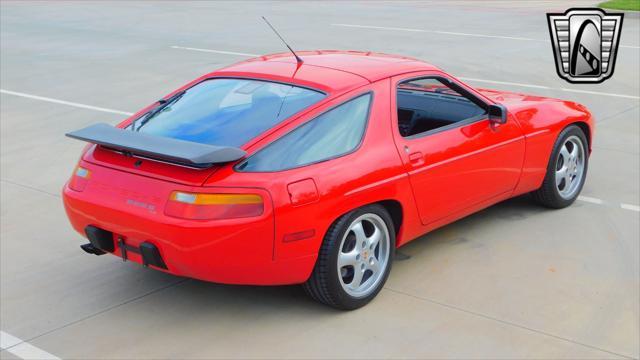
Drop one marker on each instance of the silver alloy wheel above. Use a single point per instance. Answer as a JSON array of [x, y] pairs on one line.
[[570, 167], [364, 255]]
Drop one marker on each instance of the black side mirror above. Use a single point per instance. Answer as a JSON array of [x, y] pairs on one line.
[[497, 113]]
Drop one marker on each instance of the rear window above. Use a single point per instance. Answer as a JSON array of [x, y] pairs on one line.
[[225, 112]]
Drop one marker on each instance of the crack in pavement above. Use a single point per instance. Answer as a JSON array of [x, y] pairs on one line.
[[154, 291], [488, 317], [609, 117], [30, 188]]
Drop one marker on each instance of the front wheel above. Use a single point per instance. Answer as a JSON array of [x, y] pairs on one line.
[[566, 171], [354, 260]]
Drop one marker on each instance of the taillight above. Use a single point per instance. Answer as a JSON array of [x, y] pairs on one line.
[[79, 178], [199, 206]]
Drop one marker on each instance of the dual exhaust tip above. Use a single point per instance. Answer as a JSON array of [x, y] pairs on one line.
[[90, 249], [102, 241]]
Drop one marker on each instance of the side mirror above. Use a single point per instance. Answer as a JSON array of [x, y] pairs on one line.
[[497, 114]]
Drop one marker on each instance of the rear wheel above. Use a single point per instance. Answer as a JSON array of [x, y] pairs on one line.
[[354, 260], [566, 171]]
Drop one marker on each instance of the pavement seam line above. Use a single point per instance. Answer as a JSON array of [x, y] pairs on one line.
[[434, 32], [30, 188], [505, 83], [8, 340], [160, 289], [550, 88], [616, 150], [64, 102], [599, 93], [505, 322], [223, 52], [23, 349], [454, 33], [612, 116]]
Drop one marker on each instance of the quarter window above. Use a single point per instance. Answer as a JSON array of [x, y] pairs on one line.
[[428, 104], [332, 134]]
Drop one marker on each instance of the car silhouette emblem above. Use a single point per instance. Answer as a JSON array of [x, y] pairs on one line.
[[585, 44]]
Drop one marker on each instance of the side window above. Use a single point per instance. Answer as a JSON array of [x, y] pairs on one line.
[[332, 134], [428, 104]]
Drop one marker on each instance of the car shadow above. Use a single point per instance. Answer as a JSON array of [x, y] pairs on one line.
[[520, 208], [185, 295]]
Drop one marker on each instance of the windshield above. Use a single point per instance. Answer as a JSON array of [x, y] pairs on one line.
[[225, 112]]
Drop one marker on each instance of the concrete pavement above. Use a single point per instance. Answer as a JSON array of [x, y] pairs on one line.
[[513, 281]]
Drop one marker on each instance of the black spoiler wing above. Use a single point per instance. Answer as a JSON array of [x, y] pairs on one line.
[[158, 147]]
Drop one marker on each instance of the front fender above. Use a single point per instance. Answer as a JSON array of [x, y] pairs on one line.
[[541, 124]]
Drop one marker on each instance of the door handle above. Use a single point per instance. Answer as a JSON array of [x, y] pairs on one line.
[[416, 158]]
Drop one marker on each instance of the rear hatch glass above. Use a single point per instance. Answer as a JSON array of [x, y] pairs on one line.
[[226, 112], [220, 111]]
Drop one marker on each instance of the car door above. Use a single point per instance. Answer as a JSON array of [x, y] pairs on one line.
[[455, 157]]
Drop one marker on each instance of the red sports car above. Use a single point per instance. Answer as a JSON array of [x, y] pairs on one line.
[[273, 171]]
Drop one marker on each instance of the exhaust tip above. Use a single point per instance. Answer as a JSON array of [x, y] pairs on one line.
[[90, 249]]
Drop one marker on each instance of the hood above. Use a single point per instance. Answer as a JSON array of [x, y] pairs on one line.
[[515, 100]]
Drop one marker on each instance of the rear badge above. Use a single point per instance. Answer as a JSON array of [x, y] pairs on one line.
[[585, 44], [140, 204]]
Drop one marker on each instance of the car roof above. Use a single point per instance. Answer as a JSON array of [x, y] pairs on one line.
[[327, 70]]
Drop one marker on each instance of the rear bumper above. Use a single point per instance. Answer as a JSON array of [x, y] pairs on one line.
[[102, 241], [238, 251]]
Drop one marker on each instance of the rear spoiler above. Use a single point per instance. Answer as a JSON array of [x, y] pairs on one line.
[[157, 147]]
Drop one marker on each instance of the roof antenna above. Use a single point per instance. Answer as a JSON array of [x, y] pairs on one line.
[[298, 59]]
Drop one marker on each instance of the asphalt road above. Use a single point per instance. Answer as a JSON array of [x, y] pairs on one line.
[[513, 281]]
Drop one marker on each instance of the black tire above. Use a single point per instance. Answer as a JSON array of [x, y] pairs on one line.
[[548, 194], [324, 284]]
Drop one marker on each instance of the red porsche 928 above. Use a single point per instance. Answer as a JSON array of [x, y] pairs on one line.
[[273, 171]]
